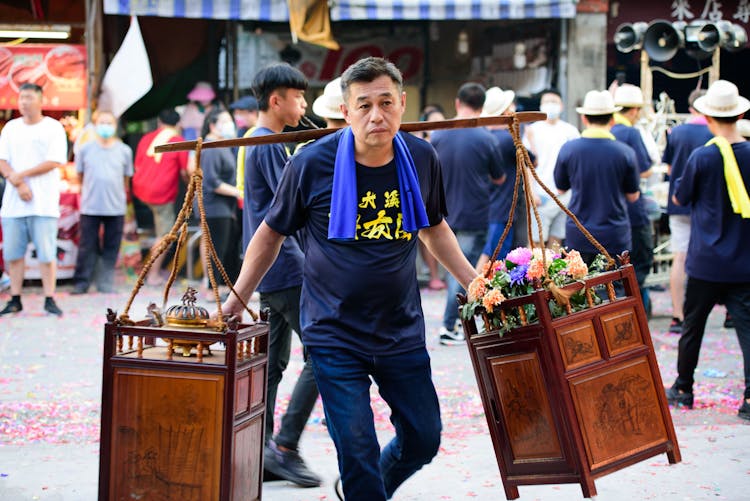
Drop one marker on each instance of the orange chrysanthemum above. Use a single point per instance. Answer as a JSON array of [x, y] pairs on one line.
[[536, 269], [491, 299], [477, 288]]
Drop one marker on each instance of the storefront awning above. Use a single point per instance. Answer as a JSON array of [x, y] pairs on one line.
[[349, 10]]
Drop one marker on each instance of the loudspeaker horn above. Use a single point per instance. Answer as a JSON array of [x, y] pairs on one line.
[[629, 36], [662, 40], [722, 34]]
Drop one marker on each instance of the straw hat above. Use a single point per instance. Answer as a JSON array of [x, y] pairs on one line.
[[598, 102], [743, 127], [722, 100], [202, 92], [327, 105], [496, 101], [629, 96]]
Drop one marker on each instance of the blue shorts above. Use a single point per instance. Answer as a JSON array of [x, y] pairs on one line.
[[19, 231]]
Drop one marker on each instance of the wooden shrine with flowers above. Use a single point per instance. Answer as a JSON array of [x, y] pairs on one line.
[[563, 357], [183, 394]]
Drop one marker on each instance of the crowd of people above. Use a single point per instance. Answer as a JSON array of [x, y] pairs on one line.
[[330, 230]]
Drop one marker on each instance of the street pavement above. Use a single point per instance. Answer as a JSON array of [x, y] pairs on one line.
[[50, 390]]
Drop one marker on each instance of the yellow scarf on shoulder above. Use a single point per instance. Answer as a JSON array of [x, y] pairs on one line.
[[592, 133], [735, 185], [621, 120]]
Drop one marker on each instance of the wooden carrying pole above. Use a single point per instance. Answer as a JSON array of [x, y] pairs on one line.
[[309, 135]]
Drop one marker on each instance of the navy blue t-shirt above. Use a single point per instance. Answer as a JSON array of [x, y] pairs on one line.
[[599, 172], [632, 137], [264, 165], [363, 294], [501, 195], [470, 158], [219, 166], [718, 249], [681, 142]]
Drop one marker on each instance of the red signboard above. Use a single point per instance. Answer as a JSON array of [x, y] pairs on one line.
[[59, 69]]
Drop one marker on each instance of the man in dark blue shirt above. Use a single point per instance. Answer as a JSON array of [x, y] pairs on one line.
[[630, 98], [280, 90], [471, 161], [363, 196], [714, 183], [681, 142], [602, 175]]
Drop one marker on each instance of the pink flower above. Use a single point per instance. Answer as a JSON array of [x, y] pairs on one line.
[[477, 288], [493, 298], [577, 269], [536, 269], [519, 256]]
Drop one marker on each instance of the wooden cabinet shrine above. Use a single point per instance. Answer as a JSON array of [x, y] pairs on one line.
[[573, 398], [182, 421]]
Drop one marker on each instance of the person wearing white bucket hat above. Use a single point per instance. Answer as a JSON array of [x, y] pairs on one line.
[[544, 140], [497, 101], [630, 97], [602, 175], [328, 105], [471, 161], [681, 141], [715, 185]]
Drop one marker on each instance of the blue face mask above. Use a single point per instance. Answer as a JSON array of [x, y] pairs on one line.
[[105, 131]]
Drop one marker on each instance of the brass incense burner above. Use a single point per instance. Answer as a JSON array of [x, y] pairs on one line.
[[189, 315]]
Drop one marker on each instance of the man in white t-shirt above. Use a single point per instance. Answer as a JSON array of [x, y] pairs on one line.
[[32, 148], [544, 139]]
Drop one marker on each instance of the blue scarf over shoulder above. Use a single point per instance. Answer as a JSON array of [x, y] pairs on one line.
[[343, 221]]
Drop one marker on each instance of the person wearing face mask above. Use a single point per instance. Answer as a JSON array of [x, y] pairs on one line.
[[104, 166], [219, 191], [544, 140]]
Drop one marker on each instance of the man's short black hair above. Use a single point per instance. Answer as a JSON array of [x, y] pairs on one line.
[[550, 90], [695, 94], [30, 86], [367, 70], [273, 77], [599, 119], [727, 120], [169, 116], [472, 94]]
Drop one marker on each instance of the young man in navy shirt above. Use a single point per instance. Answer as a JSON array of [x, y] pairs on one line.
[[471, 161], [681, 142], [602, 175], [630, 97], [363, 196], [280, 91], [715, 185]]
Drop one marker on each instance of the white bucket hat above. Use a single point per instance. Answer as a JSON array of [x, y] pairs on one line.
[[327, 105], [743, 127], [496, 101], [722, 100], [629, 96], [598, 102]]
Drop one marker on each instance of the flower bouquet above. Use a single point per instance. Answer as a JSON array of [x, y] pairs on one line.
[[522, 272]]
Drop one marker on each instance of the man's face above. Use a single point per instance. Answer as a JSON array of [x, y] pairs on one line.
[[374, 110], [290, 105], [29, 103], [245, 118], [551, 98]]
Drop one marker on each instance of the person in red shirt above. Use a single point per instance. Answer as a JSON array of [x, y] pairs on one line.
[[156, 179]]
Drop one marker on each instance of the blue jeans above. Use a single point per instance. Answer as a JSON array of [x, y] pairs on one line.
[[405, 382], [471, 243]]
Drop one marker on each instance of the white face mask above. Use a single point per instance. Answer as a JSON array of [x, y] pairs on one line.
[[227, 130], [553, 110]]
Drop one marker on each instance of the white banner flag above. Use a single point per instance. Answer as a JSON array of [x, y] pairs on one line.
[[128, 77]]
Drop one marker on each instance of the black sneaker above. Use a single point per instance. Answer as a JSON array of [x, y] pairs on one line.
[[51, 307], [288, 465], [728, 322], [450, 338], [744, 411], [11, 307], [680, 398], [338, 489], [675, 327]]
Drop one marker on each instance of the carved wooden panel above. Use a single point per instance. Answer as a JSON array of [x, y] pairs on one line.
[[257, 385], [246, 464], [618, 411], [166, 435], [242, 393], [621, 331], [578, 344], [524, 404]]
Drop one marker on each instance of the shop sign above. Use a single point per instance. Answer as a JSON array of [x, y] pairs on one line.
[[60, 69]]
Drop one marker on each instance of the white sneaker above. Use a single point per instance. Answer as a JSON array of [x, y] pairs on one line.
[[4, 281], [450, 338]]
